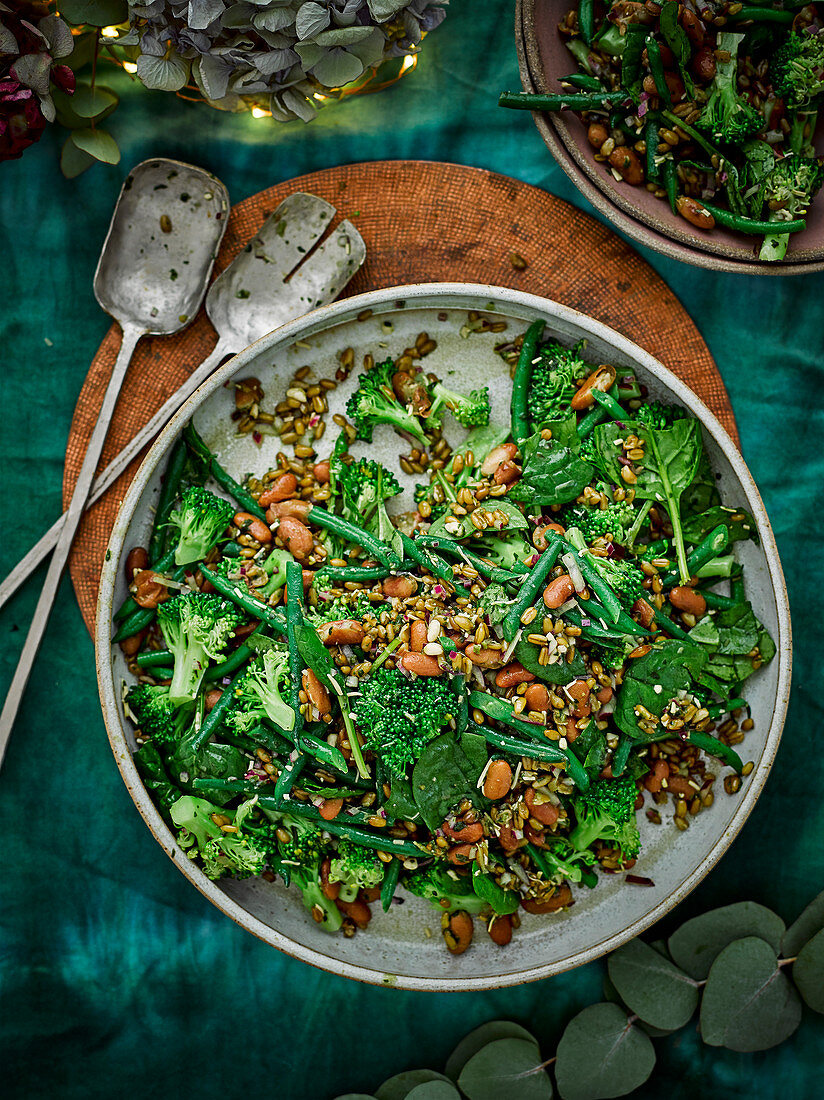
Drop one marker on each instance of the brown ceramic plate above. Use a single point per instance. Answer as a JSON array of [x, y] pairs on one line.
[[543, 58]]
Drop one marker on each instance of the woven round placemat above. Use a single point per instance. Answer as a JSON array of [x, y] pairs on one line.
[[422, 222]]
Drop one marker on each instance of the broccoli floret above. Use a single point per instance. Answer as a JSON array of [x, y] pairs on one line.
[[728, 116], [623, 576], [788, 190], [655, 415], [472, 409], [374, 402], [356, 606], [615, 521], [156, 715], [298, 859], [445, 889], [260, 694], [606, 811], [564, 862], [364, 487], [507, 551], [436, 508], [196, 627], [355, 868], [275, 566], [552, 385], [201, 519], [220, 853], [398, 716], [797, 68]]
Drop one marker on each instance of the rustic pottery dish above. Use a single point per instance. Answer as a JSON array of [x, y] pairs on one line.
[[402, 947], [543, 59]]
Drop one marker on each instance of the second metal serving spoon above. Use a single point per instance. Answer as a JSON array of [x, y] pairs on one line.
[[151, 277], [276, 278]]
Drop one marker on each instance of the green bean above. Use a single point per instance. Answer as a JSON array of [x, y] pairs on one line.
[[294, 616], [245, 599], [391, 874], [239, 657], [288, 774], [521, 380], [322, 751], [656, 67], [573, 101], [428, 560], [592, 419], [532, 585], [655, 549], [710, 546], [671, 183], [136, 622], [350, 531], [357, 573], [161, 674], [494, 572], [502, 711], [221, 476], [715, 710], [153, 657], [753, 225], [620, 756], [715, 599], [651, 140], [130, 605], [761, 15], [215, 716], [611, 406], [583, 81], [624, 623], [366, 837], [669, 627], [737, 588], [597, 585], [586, 20], [716, 748], [166, 498]]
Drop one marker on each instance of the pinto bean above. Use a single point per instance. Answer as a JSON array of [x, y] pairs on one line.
[[512, 675], [148, 591], [401, 587], [693, 212], [687, 599], [321, 471], [296, 537], [643, 612], [130, 646], [509, 842], [601, 379], [597, 134], [559, 900], [703, 64], [537, 697], [342, 632], [498, 780], [469, 833], [211, 698], [693, 25], [604, 695], [330, 808], [318, 695], [500, 931], [297, 509], [253, 526], [546, 813], [627, 164], [458, 932], [410, 391], [504, 453], [417, 636], [680, 785], [137, 560], [461, 854], [506, 474], [421, 664], [675, 85], [558, 591], [357, 911], [328, 889], [484, 658], [281, 488], [580, 693], [660, 772]]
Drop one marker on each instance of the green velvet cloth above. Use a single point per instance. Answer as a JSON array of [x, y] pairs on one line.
[[116, 976]]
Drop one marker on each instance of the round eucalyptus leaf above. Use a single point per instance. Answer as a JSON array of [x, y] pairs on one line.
[[504, 1069], [651, 986], [611, 995], [98, 144], [696, 944], [97, 13], [73, 161], [167, 74], [748, 1003], [356, 1096], [804, 928], [486, 1033], [808, 972], [90, 102], [400, 1086], [601, 1054], [434, 1090]]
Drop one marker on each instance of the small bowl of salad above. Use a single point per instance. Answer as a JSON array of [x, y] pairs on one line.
[[442, 640], [695, 127]]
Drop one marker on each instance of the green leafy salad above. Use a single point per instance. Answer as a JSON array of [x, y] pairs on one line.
[[472, 701]]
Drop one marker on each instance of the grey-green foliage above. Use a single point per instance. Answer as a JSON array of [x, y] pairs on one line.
[[804, 927], [808, 972], [279, 51], [477, 1039], [748, 1003], [601, 1054], [402, 1084], [697, 943], [503, 1069], [652, 986]]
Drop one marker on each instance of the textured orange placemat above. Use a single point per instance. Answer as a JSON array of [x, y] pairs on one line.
[[421, 221]]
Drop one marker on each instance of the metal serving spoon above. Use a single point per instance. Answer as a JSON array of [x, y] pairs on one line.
[[276, 278], [151, 277]]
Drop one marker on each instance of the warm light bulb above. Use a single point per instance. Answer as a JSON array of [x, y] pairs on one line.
[[317, 95], [110, 32], [258, 112], [409, 62], [130, 66]]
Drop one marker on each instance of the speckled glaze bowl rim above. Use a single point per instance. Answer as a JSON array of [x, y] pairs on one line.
[[421, 295], [623, 214]]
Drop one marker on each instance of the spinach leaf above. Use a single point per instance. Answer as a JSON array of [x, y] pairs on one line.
[[461, 526], [212, 761], [552, 472], [400, 806], [738, 521], [488, 890], [155, 779], [632, 69], [654, 680], [677, 40], [703, 493], [727, 638], [314, 653], [559, 673], [446, 772]]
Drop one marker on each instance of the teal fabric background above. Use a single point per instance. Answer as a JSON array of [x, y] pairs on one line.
[[117, 978]]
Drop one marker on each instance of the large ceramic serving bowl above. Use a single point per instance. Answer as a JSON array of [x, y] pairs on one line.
[[543, 60], [404, 947]]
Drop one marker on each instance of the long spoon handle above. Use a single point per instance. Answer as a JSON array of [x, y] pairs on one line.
[[25, 567], [74, 513]]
